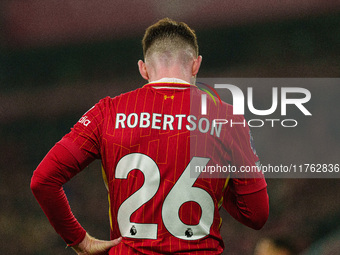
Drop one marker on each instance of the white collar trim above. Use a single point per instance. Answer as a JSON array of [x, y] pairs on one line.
[[170, 80]]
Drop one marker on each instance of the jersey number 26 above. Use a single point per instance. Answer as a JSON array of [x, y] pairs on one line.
[[182, 192]]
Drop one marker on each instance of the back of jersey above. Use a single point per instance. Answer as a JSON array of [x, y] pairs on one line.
[[154, 145]]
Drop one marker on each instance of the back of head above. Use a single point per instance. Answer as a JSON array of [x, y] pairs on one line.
[[169, 41]]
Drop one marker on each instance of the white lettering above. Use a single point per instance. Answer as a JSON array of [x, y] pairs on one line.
[[120, 118], [155, 120], [129, 124], [200, 125], [167, 121], [193, 127], [144, 120], [84, 121]]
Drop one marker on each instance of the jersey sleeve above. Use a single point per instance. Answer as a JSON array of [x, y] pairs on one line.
[[251, 210], [67, 158], [58, 167], [84, 140], [247, 179]]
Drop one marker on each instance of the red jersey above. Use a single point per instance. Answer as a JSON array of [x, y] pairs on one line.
[[154, 144]]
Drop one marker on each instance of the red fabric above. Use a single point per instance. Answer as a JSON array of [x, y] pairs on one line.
[[97, 135], [58, 166], [251, 210]]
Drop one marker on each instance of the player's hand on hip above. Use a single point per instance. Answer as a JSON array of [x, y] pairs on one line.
[[93, 246]]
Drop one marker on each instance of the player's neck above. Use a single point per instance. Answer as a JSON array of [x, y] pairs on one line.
[[174, 71], [182, 77]]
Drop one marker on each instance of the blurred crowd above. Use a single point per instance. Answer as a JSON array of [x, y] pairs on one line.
[[47, 89]]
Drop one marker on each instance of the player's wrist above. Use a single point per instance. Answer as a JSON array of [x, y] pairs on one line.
[[83, 246], [76, 238]]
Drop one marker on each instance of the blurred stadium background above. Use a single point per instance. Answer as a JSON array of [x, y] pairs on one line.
[[58, 58]]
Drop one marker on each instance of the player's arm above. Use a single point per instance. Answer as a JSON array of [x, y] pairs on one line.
[[55, 169], [59, 166], [67, 158], [246, 197], [251, 210]]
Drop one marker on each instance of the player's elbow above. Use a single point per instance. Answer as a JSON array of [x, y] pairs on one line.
[[260, 217], [35, 185], [258, 222]]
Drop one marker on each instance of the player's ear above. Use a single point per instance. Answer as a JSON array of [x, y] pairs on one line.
[[196, 65], [142, 70]]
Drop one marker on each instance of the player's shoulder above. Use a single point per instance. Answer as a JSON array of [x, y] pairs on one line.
[[222, 110], [130, 93], [108, 100], [228, 107], [219, 105]]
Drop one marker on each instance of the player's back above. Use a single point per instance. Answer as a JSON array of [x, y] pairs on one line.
[[153, 140]]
